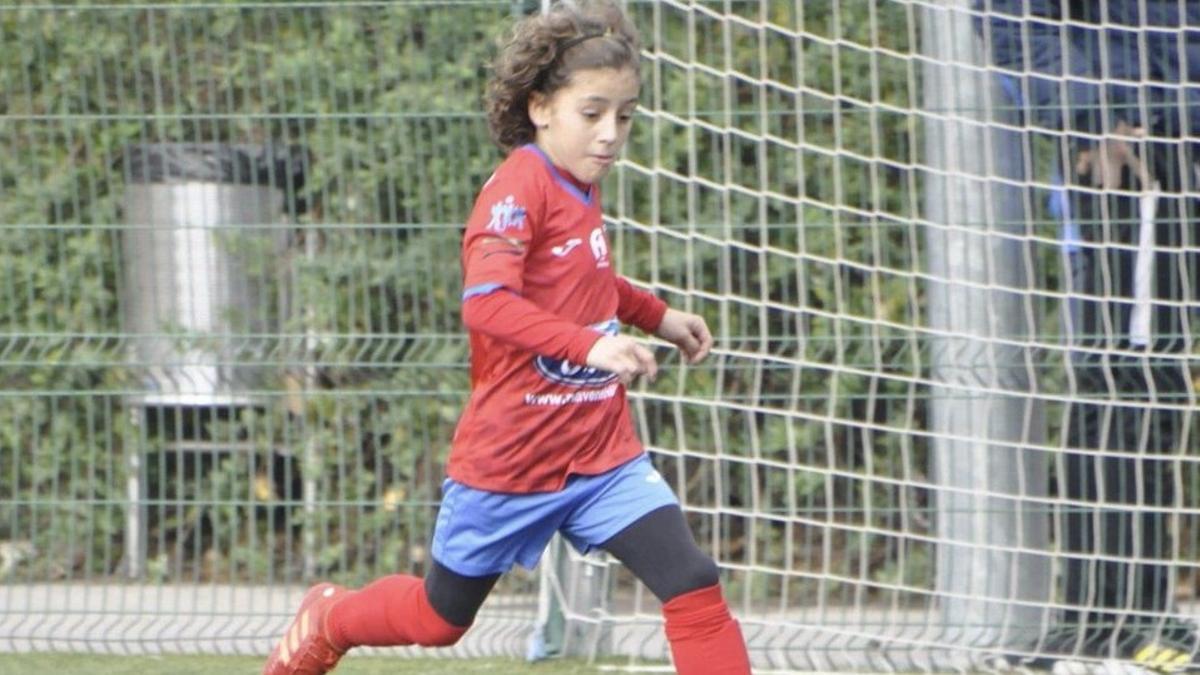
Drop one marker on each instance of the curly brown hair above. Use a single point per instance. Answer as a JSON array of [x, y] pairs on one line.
[[542, 54]]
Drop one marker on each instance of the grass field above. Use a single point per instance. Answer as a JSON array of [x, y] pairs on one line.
[[79, 664]]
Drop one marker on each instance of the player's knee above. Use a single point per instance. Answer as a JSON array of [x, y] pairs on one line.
[[440, 635], [697, 572]]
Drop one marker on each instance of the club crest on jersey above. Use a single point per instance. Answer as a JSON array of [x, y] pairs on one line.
[[506, 215], [599, 247], [561, 371]]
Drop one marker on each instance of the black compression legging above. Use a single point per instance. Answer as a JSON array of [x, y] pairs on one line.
[[660, 551], [658, 548]]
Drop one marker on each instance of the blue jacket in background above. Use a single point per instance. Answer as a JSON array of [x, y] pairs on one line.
[[1078, 66]]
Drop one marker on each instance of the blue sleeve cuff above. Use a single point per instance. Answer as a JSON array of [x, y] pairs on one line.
[[480, 289]]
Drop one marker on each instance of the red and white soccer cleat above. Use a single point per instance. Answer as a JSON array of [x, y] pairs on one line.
[[304, 648]]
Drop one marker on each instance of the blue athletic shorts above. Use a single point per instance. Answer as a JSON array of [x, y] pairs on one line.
[[480, 533]]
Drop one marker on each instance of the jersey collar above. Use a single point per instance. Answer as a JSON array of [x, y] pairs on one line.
[[570, 187]]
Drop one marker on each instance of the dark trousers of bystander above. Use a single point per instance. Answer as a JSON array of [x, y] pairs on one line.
[[1130, 416]]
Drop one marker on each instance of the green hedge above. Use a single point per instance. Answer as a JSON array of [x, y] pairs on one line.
[[367, 374]]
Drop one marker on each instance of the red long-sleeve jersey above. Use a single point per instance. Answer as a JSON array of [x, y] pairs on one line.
[[539, 291]]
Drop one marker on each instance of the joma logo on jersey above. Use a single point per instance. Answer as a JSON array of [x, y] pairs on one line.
[[506, 215], [567, 247]]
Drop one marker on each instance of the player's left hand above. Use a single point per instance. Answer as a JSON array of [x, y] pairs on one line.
[[688, 332]]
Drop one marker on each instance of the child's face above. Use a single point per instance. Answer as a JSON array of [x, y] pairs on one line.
[[583, 126]]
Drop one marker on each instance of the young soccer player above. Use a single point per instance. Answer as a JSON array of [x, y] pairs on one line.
[[546, 442]]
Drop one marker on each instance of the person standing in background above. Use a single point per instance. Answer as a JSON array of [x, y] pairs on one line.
[[1115, 86]]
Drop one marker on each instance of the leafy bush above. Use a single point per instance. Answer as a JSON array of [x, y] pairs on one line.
[[365, 375]]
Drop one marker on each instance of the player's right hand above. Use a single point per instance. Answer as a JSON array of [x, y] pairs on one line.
[[623, 356]]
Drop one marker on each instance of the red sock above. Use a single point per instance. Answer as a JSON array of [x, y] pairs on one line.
[[705, 639], [392, 611]]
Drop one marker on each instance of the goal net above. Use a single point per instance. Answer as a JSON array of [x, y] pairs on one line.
[[949, 418]]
